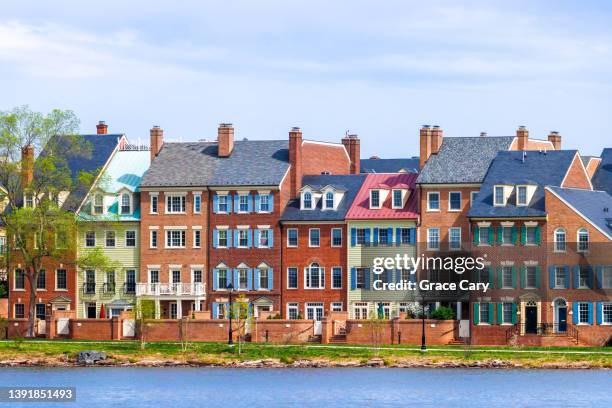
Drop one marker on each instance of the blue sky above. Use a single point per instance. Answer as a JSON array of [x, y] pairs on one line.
[[380, 69]]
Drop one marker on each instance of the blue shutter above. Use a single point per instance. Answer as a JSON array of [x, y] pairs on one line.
[[215, 238], [257, 201], [389, 236], [398, 236], [575, 312], [353, 236], [257, 233], [566, 271], [215, 309], [236, 203], [398, 275], [229, 203], [389, 275], [353, 278], [551, 276], [236, 279], [249, 202], [537, 235], [271, 202], [590, 312], [599, 273], [249, 279], [270, 238], [590, 277], [523, 277], [236, 238], [229, 238], [413, 232], [367, 278], [215, 280], [375, 236], [215, 203], [599, 313], [576, 276], [256, 279], [367, 237], [499, 235], [491, 238], [249, 238], [514, 235], [270, 278]]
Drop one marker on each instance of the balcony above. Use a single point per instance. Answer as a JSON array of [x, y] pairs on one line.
[[129, 288], [170, 289]]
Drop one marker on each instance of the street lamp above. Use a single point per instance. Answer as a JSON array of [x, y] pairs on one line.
[[230, 340], [423, 346]]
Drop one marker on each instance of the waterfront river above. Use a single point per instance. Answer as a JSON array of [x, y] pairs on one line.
[[322, 388]]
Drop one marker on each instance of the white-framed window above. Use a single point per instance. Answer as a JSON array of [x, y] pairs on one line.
[[314, 277], [483, 236], [360, 310], [507, 312], [264, 238], [583, 240], [473, 195], [507, 277], [130, 239], [197, 204], [90, 239], [360, 278], [559, 277], [263, 278], [110, 239], [507, 236], [336, 237], [61, 279], [243, 238], [222, 275], [433, 238], [98, 204], [264, 203], [454, 201], [292, 278], [560, 240], [314, 237], [583, 277], [222, 202], [292, 238], [41, 282], [307, 200], [292, 311], [383, 237], [243, 203], [375, 199], [484, 313], [530, 277], [197, 238], [153, 239], [606, 275], [19, 311], [398, 201], [583, 313], [222, 238], [329, 200], [126, 203], [336, 277], [531, 235], [175, 203], [606, 313], [175, 238], [521, 195], [154, 200], [499, 195], [336, 306], [243, 280], [454, 238], [360, 238], [433, 201], [19, 282], [196, 276]]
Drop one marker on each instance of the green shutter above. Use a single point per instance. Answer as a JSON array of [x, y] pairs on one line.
[[514, 277], [500, 277], [514, 313], [500, 234], [514, 235], [476, 316], [491, 236], [500, 313], [491, 306], [538, 275], [523, 235], [476, 235], [523, 277], [537, 235]]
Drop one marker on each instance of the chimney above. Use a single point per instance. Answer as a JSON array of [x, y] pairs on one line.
[[101, 128], [425, 145], [27, 166], [225, 137], [483, 134], [352, 144], [157, 141], [522, 135], [295, 160], [555, 138], [436, 139]]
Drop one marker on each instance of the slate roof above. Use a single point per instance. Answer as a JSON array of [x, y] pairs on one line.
[[463, 159], [602, 179], [252, 162], [360, 210], [410, 165], [590, 204], [508, 167], [350, 183]]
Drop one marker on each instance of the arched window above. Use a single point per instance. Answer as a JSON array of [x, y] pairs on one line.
[[315, 277], [98, 204], [126, 207], [307, 200], [583, 240], [329, 200], [560, 240]]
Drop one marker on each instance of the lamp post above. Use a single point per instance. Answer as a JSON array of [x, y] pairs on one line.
[[423, 346], [230, 340]]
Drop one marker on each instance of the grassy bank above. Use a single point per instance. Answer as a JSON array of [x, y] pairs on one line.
[[35, 352]]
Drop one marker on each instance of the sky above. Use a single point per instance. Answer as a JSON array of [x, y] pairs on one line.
[[379, 69]]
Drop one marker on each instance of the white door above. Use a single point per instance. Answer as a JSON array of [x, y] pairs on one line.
[[42, 327], [129, 328], [464, 329], [63, 326], [173, 310], [315, 312]]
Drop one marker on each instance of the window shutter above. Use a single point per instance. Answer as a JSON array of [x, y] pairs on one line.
[[215, 238], [322, 274], [229, 203], [398, 236], [249, 279], [538, 276], [367, 278], [215, 280], [398, 276], [514, 277], [514, 235], [514, 319], [215, 203], [500, 313], [256, 279], [229, 238], [215, 310], [476, 236], [271, 238], [537, 235], [491, 271], [257, 233], [599, 313], [575, 312], [500, 233], [413, 277], [476, 315], [523, 277], [566, 271], [375, 236], [249, 238], [491, 236], [270, 278], [271, 202], [236, 238], [389, 277], [523, 235], [353, 236], [367, 237], [551, 276], [353, 278], [257, 201], [491, 306], [389, 236], [249, 202], [590, 312], [576, 276], [236, 203], [500, 277], [413, 235], [590, 277]]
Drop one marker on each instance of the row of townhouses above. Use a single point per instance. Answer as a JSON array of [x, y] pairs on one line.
[[295, 224]]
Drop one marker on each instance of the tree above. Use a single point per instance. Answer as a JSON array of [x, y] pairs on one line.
[[143, 310], [35, 191], [240, 314]]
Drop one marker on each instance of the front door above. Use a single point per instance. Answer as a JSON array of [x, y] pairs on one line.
[[173, 310], [531, 319], [315, 312], [91, 310], [562, 319]]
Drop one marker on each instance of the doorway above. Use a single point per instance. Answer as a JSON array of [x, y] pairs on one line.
[[560, 316], [91, 310], [314, 311], [531, 319]]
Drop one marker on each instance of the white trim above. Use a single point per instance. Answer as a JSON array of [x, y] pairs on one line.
[[196, 227], [586, 173], [309, 238], [222, 227], [297, 237], [153, 227], [332, 238], [449, 201], [175, 227], [429, 209], [243, 227]]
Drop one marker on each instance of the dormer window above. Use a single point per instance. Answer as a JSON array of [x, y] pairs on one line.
[[499, 195], [374, 198], [398, 201], [126, 203], [329, 200], [98, 204], [521, 195], [307, 200]]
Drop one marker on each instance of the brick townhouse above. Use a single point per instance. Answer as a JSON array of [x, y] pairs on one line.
[[229, 195], [314, 246], [56, 288]]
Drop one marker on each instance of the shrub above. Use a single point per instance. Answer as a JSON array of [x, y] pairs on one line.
[[443, 313]]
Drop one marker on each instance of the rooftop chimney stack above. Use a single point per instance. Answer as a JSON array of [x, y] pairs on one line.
[[27, 165], [436, 139], [295, 160], [522, 136], [157, 141], [225, 136], [555, 138], [483, 134], [425, 145], [101, 128], [352, 144]]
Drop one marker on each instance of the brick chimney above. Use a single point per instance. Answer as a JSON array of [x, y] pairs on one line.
[[436, 139], [352, 144], [555, 138], [425, 145], [101, 128], [225, 137], [27, 165], [157, 141], [295, 160], [522, 136]]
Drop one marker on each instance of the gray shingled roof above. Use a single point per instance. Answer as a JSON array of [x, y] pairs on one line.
[[410, 164], [252, 162], [463, 159], [602, 179], [594, 205]]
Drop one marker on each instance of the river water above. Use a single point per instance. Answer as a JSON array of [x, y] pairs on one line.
[[323, 388]]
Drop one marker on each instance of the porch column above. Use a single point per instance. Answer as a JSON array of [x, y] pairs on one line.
[[459, 310], [198, 302], [157, 309], [179, 308]]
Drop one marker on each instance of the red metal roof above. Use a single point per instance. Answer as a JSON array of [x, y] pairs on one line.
[[360, 210]]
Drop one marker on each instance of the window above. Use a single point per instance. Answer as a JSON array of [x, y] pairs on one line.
[[222, 238], [176, 276], [559, 277], [583, 313], [90, 239], [507, 277], [41, 282], [307, 200], [153, 276], [336, 306], [606, 275], [292, 237], [19, 311], [507, 236], [292, 278], [222, 202], [264, 236], [433, 201], [433, 238], [130, 239], [315, 277], [360, 310], [473, 195], [175, 204], [243, 279], [397, 199], [454, 201], [196, 276], [454, 238], [2, 244], [292, 311], [90, 282], [222, 278], [19, 279], [98, 204], [404, 235], [531, 236], [263, 278], [483, 275], [175, 239], [606, 313], [314, 237], [264, 203], [361, 236], [130, 281], [336, 237], [61, 282], [583, 277], [483, 236], [560, 240], [583, 240], [521, 195], [337, 278], [374, 198], [110, 282], [154, 200], [126, 201], [243, 203], [507, 312], [484, 313], [153, 240], [40, 311], [110, 239], [197, 238], [243, 238], [360, 278], [499, 196], [531, 277], [29, 201], [383, 236], [329, 200], [197, 204]]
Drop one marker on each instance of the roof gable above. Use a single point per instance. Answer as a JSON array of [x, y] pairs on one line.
[[602, 180], [360, 209]]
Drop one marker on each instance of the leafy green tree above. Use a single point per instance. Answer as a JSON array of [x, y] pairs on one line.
[[240, 314]]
